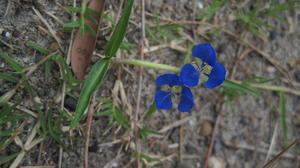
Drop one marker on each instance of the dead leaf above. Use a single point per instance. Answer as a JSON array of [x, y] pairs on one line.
[[84, 44]]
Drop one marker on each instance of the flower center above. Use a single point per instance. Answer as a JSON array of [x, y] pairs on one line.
[[206, 68], [176, 89]]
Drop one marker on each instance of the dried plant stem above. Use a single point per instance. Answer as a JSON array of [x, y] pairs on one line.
[[141, 71], [181, 138], [52, 32], [88, 133]]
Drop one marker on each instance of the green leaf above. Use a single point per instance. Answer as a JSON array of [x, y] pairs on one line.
[[145, 157], [14, 117], [72, 25], [73, 9], [119, 32], [149, 158], [89, 29], [145, 131], [65, 114], [168, 35], [6, 159], [120, 117], [107, 18], [90, 11], [15, 65], [208, 13], [259, 80], [6, 109], [93, 81], [37, 47], [53, 131], [171, 27], [47, 69], [151, 110], [9, 77], [107, 112], [67, 73], [7, 132], [282, 116], [91, 19], [152, 33], [240, 87]]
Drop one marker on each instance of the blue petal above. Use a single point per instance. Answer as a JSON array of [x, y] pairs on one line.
[[168, 79], [186, 100], [206, 53], [163, 100], [216, 77], [189, 75]]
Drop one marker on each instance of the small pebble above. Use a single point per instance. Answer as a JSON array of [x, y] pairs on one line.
[[70, 103], [200, 5], [216, 162], [54, 46], [206, 128], [271, 69], [272, 35], [94, 148]]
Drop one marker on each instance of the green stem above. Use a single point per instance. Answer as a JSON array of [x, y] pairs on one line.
[[173, 69], [82, 13], [147, 64]]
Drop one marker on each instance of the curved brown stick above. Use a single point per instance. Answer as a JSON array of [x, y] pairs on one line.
[[84, 44]]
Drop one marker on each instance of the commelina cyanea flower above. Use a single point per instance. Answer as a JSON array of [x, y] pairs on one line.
[[188, 77], [215, 71], [178, 86]]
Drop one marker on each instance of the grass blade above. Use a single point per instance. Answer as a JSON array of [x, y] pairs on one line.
[[71, 25], [8, 158], [119, 32], [120, 117], [9, 77], [15, 65], [37, 47], [151, 110], [92, 82], [282, 112], [241, 87], [73, 9]]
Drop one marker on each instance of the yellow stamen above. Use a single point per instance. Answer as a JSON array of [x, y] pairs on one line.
[[207, 69], [176, 89]]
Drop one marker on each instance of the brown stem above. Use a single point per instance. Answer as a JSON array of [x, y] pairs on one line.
[[88, 133]]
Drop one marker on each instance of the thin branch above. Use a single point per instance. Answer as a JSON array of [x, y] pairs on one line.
[[181, 138], [141, 71], [88, 133]]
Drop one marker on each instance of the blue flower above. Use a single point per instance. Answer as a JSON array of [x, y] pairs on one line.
[[215, 71], [178, 86]]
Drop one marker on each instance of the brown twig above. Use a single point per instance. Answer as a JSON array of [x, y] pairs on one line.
[[141, 71], [237, 62], [212, 141], [88, 133], [52, 32], [181, 138]]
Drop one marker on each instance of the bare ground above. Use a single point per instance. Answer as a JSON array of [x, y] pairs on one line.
[[244, 126]]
